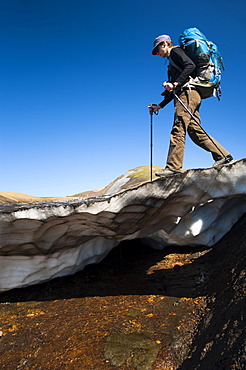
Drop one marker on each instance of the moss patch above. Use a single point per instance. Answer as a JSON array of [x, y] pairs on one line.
[[136, 350]]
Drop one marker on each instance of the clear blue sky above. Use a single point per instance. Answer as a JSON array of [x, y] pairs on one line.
[[76, 78]]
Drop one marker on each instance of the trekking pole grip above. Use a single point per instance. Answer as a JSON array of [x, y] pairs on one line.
[[151, 109]]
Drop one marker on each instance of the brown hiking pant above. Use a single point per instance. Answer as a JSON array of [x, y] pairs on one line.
[[184, 122]]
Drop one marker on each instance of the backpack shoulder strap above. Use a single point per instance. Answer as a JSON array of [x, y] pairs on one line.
[[171, 63]]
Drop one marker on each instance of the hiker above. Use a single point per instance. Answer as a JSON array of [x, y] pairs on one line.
[[180, 68]]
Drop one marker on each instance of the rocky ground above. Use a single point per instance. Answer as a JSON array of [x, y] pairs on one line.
[[179, 308]]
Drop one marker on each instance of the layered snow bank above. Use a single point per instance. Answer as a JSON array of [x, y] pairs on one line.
[[40, 241]]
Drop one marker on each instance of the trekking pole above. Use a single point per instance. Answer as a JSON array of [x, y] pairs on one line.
[[196, 120], [151, 138]]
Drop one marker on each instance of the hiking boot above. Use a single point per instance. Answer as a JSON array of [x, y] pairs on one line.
[[165, 172], [224, 160]]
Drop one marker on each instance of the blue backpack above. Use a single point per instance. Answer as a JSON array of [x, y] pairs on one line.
[[207, 59]]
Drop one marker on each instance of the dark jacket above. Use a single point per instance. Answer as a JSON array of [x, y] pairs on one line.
[[179, 69]]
